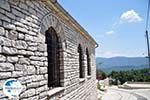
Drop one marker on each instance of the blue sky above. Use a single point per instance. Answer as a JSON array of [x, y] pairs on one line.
[[118, 26]]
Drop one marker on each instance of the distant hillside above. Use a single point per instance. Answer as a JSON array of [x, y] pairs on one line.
[[121, 63]]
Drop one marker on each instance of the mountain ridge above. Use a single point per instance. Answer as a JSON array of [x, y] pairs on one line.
[[121, 63]]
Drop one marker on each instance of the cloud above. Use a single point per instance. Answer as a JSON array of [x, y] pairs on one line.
[[131, 17], [110, 32], [108, 54]]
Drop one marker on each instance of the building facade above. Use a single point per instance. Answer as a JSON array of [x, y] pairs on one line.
[[44, 48]]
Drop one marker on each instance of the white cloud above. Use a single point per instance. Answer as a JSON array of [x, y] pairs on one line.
[[130, 16], [108, 54], [110, 32]]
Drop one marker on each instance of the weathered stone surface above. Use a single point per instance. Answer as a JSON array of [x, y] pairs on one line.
[[9, 50], [21, 36], [30, 38], [28, 93], [5, 18], [36, 58], [43, 70], [6, 67], [12, 59], [2, 58], [33, 85], [2, 31], [23, 30], [26, 79], [38, 78], [17, 73], [9, 26], [22, 52], [40, 89], [32, 48], [19, 67], [38, 63], [12, 35], [0, 49], [30, 70], [32, 98], [24, 61], [5, 5], [17, 13], [10, 15], [5, 75], [20, 44], [5, 41], [29, 53], [42, 47], [38, 53], [44, 82]]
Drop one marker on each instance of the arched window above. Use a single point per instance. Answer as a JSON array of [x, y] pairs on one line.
[[53, 58], [88, 62], [81, 69]]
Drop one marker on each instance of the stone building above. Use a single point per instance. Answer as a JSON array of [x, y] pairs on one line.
[[44, 48]]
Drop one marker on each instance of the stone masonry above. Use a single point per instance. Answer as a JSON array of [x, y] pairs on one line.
[[23, 51]]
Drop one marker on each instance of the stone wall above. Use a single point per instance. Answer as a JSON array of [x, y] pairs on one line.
[[23, 52]]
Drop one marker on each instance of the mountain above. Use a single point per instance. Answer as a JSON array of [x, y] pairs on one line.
[[121, 63]]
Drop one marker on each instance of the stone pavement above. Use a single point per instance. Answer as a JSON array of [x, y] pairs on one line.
[[113, 93]]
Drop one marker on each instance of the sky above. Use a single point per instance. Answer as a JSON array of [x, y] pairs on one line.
[[118, 26]]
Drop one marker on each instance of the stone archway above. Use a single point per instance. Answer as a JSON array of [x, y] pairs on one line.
[[52, 21]]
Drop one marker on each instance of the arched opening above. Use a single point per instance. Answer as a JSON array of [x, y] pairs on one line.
[[53, 58], [88, 62], [81, 69]]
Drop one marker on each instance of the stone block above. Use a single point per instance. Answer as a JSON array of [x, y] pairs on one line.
[[21, 36], [43, 70], [17, 13], [24, 61], [23, 6], [22, 52], [38, 78], [28, 93], [17, 73], [5, 41], [33, 85], [32, 33], [30, 53], [5, 75], [9, 26], [9, 50], [2, 31], [42, 47], [20, 44], [5, 5], [33, 98], [2, 58], [12, 59], [19, 67], [30, 70], [6, 67], [12, 35], [10, 15], [23, 30], [32, 48], [26, 79], [44, 82], [5, 18], [40, 89], [30, 38], [43, 95]]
